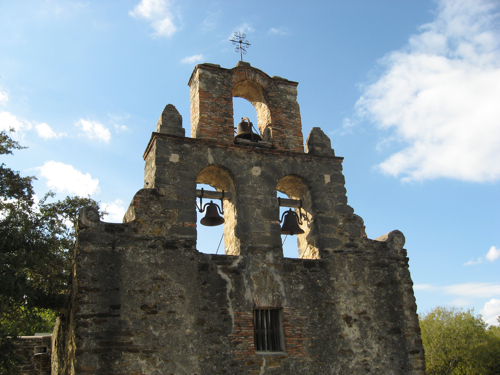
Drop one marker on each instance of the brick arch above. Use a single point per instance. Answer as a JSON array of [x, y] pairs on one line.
[[274, 98], [221, 178], [297, 187]]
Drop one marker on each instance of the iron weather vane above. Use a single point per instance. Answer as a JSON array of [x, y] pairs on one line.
[[240, 43]]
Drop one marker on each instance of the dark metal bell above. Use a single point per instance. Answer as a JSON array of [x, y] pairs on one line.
[[290, 223], [212, 217], [244, 130]]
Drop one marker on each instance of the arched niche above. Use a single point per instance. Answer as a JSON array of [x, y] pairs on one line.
[[221, 179], [296, 187], [256, 95]]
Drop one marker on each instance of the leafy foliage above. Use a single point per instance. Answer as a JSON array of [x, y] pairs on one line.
[[457, 342], [35, 253]]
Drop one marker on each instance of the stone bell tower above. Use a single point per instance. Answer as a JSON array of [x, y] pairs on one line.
[[146, 301]]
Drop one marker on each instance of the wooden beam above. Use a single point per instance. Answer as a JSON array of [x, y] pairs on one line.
[[210, 194], [285, 202], [255, 144]]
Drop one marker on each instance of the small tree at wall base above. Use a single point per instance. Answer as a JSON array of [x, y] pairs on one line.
[[36, 251]]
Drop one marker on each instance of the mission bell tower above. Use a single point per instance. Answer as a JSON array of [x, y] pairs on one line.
[[146, 301]]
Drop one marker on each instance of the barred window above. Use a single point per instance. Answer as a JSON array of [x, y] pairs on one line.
[[267, 330]]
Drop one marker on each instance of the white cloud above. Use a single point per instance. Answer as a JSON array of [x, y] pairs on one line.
[[192, 59], [120, 128], [65, 178], [491, 311], [472, 262], [460, 302], [278, 31], [46, 132], [116, 119], [115, 211], [9, 121], [60, 9], [475, 290], [493, 254], [246, 28], [4, 98], [158, 13], [94, 130], [243, 29], [471, 290], [424, 287], [440, 96]]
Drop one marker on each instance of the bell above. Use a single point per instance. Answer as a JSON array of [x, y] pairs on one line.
[[290, 223], [212, 217], [244, 130]]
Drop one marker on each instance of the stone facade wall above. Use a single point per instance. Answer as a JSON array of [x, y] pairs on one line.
[[146, 301], [34, 351], [161, 307], [256, 174]]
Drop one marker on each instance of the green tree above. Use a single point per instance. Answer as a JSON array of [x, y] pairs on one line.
[[492, 357], [36, 249], [457, 342]]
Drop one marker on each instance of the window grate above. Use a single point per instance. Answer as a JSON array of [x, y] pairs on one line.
[[267, 330]]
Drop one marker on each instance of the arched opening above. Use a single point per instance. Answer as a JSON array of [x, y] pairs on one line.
[[289, 243], [255, 94], [296, 188], [243, 108], [215, 177], [209, 240]]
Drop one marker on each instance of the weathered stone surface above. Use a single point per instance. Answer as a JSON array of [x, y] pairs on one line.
[[395, 239], [318, 143], [34, 353], [170, 122], [146, 301]]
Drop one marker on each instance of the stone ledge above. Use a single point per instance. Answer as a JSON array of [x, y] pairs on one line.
[[214, 143]]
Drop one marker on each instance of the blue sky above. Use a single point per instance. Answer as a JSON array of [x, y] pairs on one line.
[[408, 92]]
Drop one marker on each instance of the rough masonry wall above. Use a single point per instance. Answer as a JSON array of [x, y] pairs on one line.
[[31, 363], [148, 305], [145, 301]]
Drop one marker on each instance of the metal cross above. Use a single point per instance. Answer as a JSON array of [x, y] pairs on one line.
[[240, 43]]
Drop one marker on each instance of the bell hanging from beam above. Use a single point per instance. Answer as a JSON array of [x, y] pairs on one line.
[[212, 217], [290, 223], [244, 131]]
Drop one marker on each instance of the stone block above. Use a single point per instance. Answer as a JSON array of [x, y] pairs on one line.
[[318, 143], [170, 122]]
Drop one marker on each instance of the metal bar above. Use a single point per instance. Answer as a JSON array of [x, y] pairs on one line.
[[268, 330]]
